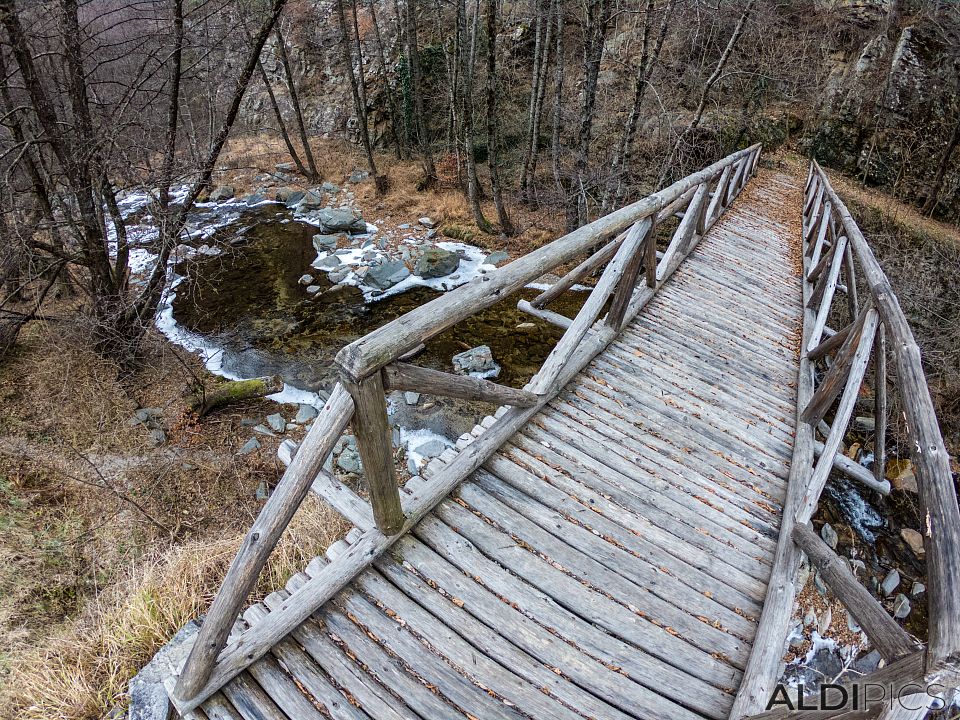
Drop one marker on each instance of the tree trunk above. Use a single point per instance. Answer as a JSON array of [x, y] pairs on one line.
[[598, 18], [314, 174], [557, 101], [623, 154], [538, 58], [506, 227], [708, 86], [413, 58], [473, 183], [934, 197], [399, 139], [291, 150], [380, 181]]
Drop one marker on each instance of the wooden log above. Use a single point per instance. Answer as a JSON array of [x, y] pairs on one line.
[[834, 341], [880, 405], [375, 444], [855, 471], [763, 666], [671, 209], [891, 640], [401, 376], [561, 321], [834, 380], [233, 391], [716, 202], [342, 499], [679, 244], [625, 288], [368, 354], [850, 279], [581, 271], [848, 400], [930, 460], [814, 274], [588, 314], [259, 543], [824, 310]]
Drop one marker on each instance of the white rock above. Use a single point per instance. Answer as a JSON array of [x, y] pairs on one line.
[[411, 398], [286, 451]]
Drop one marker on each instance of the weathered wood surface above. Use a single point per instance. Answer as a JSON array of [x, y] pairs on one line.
[[885, 634], [401, 376], [609, 552], [935, 481]]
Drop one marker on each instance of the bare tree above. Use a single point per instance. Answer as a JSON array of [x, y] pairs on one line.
[[707, 87], [595, 32], [466, 123], [413, 60], [358, 95], [493, 123], [82, 149], [623, 155], [538, 86], [313, 173]]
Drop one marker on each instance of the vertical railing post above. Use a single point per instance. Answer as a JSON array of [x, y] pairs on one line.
[[880, 405], [375, 444]]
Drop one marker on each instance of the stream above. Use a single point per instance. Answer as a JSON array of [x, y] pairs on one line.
[[245, 309]]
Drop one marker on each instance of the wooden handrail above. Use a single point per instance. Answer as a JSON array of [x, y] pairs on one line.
[[832, 243], [932, 465], [261, 540], [365, 356]]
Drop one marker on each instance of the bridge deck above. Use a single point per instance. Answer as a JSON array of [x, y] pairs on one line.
[[612, 559]]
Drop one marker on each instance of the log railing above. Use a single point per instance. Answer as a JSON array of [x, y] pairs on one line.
[[835, 249], [374, 364]]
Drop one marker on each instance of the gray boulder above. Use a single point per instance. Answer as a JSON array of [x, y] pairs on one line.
[[276, 422], [891, 582], [495, 258], [329, 187], [333, 220], [283, 194], [431, 448], [311, 199], [285, 167], [286, 451], [386, 274], [327, 263], [148, 698], [349, 461], [325, 243], [221, 193], [475, 360], [306, 279], [250, 446], [305, 414], [294, 198], [829, 535], [436, 262], [901, 607]]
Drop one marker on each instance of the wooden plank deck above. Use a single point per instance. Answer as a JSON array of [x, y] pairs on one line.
[[612, 559]]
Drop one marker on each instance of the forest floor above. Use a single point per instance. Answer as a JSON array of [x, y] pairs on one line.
[[110, 544]]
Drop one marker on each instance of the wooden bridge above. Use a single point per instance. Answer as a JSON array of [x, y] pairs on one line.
[[622, 539]]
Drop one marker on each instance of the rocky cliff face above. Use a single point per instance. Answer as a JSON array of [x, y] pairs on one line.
[[890, 106]]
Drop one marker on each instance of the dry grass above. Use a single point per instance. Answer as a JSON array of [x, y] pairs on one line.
[[109, 545], [245, 157], [82, 671]]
